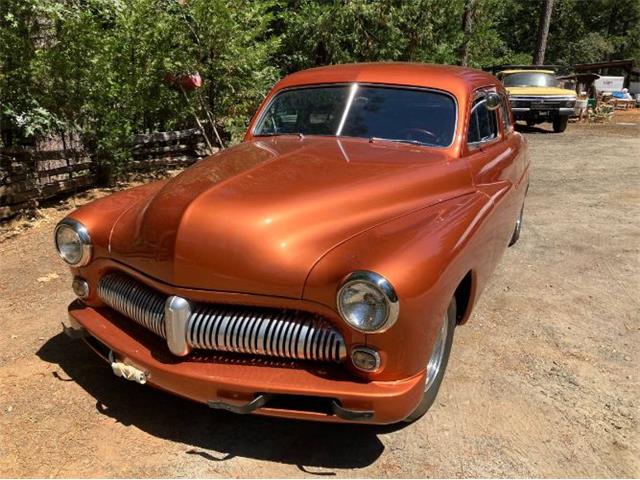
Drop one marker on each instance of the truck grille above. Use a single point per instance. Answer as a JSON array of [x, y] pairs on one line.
[[281, 333], [520, 101]]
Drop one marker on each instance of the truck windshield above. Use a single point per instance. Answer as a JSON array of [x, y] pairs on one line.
[[378, 113], [530, 79]]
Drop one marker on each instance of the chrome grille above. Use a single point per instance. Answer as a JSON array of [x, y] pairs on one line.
[[270, 332], [277, 333], [134, 300]]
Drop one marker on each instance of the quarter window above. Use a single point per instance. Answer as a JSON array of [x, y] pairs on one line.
[[483, 125], [506, 122]]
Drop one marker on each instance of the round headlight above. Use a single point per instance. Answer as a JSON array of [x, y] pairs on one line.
[[367, 302], [73, 242]]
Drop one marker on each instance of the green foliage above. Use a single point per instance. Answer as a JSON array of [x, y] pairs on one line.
[[581, 31], [97, 67], [319, 33]]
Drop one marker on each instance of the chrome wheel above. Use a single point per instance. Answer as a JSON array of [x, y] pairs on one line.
[[518, 228], [435, 361]]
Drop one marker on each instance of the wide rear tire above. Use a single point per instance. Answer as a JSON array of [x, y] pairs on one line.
[[437, 363]]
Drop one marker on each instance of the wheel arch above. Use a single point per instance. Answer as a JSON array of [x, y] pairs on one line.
[[464, 296]]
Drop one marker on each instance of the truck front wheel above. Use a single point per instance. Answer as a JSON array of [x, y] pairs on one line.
[[560, 123]]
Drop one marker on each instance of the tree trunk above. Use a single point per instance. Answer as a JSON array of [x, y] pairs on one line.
[[543, 32], [613, 16], [467, 26]]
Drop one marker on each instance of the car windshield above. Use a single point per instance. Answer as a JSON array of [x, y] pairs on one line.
[[530, 79], [378, 113]]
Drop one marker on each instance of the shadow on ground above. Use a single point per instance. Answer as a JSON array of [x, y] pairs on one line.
[[304, 444], [522, 128]]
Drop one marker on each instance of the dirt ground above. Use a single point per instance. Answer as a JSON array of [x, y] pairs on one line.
[[543, 381]]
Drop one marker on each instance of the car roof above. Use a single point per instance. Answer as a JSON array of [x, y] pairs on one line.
[[526, 71], [457, 80]]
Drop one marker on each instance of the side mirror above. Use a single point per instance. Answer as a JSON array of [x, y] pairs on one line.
[[492, 100]]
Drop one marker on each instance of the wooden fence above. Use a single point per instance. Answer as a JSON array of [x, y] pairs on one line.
[[167, 149], [31, 175], [27, 177]]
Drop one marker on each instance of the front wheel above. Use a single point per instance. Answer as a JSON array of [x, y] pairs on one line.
[[437, 363], [560, 123]]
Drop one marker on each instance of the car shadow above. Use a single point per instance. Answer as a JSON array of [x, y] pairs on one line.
[[522, 128], [301, 443]]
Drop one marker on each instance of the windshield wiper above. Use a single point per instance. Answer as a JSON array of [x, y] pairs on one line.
[[400, 140]]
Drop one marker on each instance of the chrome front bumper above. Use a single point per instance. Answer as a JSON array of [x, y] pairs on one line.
[[559, 111], [263, 386]]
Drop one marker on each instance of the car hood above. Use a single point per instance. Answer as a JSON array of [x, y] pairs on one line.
[[541, 91], [256, 217]]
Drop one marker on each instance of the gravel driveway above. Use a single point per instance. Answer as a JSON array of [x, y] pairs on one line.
[[543, 381]]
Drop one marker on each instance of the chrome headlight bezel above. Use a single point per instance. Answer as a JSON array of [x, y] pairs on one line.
[[379, 283], [80, 231]]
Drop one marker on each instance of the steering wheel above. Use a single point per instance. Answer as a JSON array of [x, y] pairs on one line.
[[415, 133]]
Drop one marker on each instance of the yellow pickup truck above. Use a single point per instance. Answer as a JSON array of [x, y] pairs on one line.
[[536, 98]]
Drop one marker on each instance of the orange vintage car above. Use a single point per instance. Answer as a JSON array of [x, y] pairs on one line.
[[318, 269]]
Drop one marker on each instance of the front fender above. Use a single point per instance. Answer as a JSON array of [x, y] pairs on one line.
[[101, 215], [425, 255]]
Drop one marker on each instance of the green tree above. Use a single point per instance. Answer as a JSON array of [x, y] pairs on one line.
[[98, 67]]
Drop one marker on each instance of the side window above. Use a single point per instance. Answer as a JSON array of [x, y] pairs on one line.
[[506, 121], [483, 124]]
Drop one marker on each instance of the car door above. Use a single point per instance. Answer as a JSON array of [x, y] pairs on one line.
[[492, 151]]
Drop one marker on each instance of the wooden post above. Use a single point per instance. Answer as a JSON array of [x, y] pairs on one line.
[[195, 115], [210, 117]]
